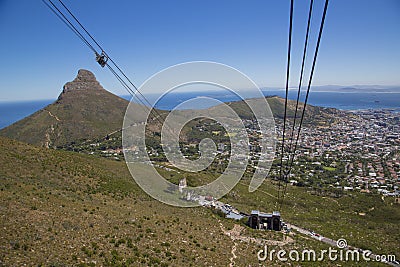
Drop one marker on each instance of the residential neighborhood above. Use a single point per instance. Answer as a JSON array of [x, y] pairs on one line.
[[356, 150], [359, 151]]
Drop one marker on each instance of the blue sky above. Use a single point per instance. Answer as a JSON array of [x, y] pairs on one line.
[[360, 44]]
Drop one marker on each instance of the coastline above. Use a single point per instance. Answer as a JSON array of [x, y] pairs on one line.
[[12, 111]]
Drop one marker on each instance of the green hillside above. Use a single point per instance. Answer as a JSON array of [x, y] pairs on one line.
[[313, 114], [64, 209], [61, 208]]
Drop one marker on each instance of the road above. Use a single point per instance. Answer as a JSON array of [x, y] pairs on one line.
[[334, 243]]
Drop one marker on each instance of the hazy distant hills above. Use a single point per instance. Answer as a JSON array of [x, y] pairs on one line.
[[84, 109], [357, 89]]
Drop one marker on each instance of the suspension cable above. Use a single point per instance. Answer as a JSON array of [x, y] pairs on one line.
[[309, 82], [72, 15], [68, 23], [119, 69], [134, 93], [286, 95], [290, 161]]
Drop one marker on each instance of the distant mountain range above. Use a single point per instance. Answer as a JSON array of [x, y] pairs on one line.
[[352, 88]]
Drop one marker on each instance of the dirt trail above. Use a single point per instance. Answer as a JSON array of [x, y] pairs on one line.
[[52, 115], [236, 234], [232, 259]]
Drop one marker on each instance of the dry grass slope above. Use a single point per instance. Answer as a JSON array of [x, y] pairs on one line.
[[61, 208]]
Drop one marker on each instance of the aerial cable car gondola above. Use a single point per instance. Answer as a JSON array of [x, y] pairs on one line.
[[102, 58]]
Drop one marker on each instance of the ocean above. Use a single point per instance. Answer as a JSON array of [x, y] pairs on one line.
[[11, 112], [339, 100]]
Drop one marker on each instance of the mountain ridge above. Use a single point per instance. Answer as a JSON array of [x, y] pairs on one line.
[[84, 109]]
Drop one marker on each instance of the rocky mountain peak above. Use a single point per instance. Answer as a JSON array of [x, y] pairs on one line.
[[85, 80], [85, 75]]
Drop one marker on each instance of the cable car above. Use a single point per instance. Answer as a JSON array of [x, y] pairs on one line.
[[101, 59]]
